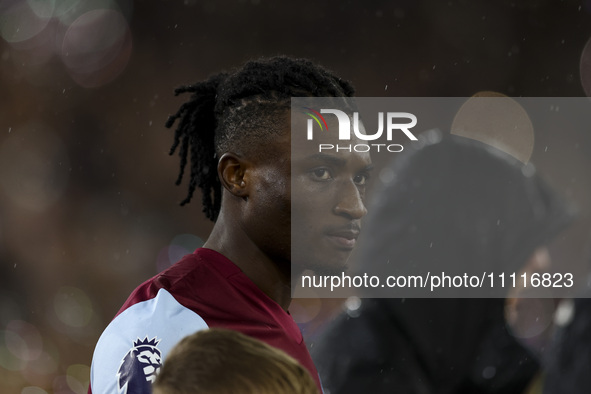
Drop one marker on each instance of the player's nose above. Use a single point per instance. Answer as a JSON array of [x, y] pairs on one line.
[[350, 202]]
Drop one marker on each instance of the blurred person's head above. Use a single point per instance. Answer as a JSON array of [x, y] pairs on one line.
[[219, 361], [457, 203], [236, 129]]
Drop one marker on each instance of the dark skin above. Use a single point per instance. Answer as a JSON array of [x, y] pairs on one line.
[[253, 228], [327, 199], [239, 234]]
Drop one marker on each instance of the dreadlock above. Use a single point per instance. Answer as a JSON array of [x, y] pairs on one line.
[[234, 111]]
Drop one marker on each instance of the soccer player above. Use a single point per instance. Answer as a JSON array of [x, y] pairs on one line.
[[236, 127]]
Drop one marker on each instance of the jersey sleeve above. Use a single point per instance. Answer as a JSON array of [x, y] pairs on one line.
[[129, 353]]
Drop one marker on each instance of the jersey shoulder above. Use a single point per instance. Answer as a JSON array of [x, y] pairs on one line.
[[132, 348]]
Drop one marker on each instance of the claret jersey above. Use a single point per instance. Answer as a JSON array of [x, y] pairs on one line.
[[202, 290]]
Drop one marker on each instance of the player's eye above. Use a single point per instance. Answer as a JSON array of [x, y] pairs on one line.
[[361, 179], [322, 174]]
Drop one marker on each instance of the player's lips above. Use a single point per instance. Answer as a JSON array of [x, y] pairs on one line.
[[344, 238]]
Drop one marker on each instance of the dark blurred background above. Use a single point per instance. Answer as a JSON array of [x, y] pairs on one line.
[[88, 205]]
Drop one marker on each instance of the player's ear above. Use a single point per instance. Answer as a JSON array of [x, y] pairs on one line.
[[232, 171]]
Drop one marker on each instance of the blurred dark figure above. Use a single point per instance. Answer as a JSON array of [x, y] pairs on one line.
[[452, 202], [569, 359]]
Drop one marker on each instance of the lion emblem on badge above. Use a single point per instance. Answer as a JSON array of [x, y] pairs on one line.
[[139, 367]]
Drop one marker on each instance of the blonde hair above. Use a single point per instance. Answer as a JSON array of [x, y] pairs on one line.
[[219, 361]]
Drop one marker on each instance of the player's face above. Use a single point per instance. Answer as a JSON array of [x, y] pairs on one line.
[[307, 205], [327, 199]]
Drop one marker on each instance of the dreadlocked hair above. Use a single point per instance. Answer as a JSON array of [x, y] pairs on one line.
[[235, 111]]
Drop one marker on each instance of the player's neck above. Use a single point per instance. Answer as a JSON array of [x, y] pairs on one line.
[[271, 277]]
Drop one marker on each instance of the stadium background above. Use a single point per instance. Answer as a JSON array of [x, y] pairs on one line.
[[88, 206]]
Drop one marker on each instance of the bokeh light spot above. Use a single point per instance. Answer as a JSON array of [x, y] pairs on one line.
[[45, 364], [585, 68], [60, 385], [530, 317], [42, 8], [180, 246], [69, 10], [33, 390], [97, 47], [23, 340], [188, 242], [63, 8], [387, 175], [78, 377], [352, 305], [8, 360], [20, 23], [304, 310], [496, 120], [73, 307]]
